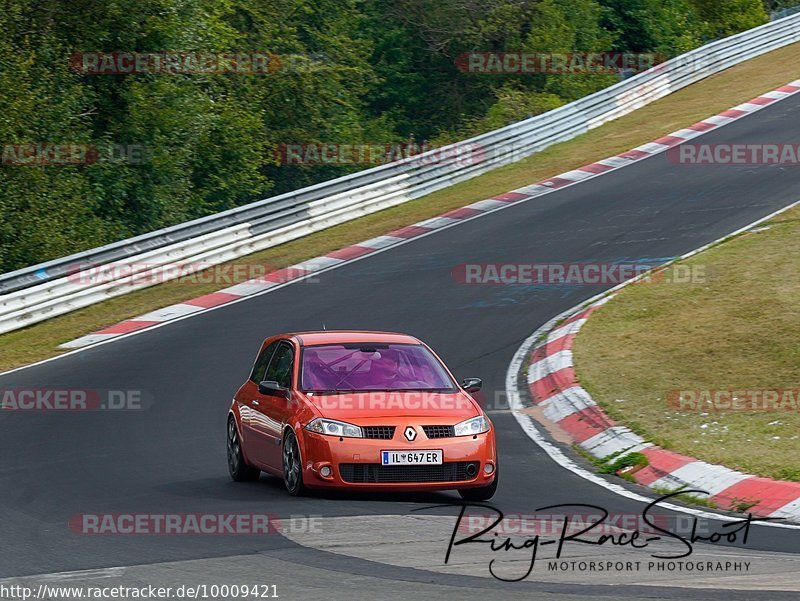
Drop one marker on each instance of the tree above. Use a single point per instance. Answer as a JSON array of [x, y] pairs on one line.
[[727, 17]]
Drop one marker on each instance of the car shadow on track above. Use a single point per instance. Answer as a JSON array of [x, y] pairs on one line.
[[270, 488], [276, 484]]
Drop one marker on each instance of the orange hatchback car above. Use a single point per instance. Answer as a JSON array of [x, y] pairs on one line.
[[362, 411]]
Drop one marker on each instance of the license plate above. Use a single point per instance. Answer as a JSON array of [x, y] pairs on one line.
[[411, 457]]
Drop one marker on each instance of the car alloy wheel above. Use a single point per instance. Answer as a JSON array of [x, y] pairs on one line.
[[238, 469], [292, 465]]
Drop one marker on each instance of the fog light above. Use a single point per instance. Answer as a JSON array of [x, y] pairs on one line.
[[325, 471], [488, 469]]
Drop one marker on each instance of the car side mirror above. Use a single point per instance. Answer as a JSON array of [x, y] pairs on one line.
[[472, 384], [272, 388]]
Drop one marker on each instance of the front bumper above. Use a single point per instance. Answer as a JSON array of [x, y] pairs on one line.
[[355, 463]]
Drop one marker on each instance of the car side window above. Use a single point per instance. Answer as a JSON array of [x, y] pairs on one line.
[[280, 368], [260, 368]]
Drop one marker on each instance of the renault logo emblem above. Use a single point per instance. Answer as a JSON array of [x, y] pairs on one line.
[[410, 433]]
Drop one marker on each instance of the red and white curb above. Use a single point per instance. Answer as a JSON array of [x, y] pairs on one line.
[[307, 268], [554, 388]]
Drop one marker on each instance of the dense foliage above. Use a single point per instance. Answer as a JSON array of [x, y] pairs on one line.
[[352, 71]]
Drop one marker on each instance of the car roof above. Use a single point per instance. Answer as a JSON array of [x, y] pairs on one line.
[[351, 336]]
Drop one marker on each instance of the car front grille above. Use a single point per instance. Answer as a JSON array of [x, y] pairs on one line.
[[382, 432], [439, 431], [375, 473]]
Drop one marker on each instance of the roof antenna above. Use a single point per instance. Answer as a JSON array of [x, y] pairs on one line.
[[323, 327]]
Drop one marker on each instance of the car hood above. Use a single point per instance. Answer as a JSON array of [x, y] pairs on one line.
[[456, 406]]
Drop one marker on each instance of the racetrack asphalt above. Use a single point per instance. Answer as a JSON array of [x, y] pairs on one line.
[[170, 456]]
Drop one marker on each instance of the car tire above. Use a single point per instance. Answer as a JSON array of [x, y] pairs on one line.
[[482, 493], [237, 468], [292, 466]]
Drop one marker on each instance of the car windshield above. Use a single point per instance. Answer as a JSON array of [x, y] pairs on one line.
[[369, 367]]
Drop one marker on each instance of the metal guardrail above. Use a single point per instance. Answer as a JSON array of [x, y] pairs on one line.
[[46, 290]]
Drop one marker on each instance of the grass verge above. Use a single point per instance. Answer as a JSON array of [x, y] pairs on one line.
[[680, 109], [734, 327]]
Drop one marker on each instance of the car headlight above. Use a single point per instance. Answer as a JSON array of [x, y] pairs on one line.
[[476, 425], [334, 428]]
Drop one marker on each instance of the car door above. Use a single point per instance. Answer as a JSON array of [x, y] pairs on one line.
[[272, 411], [248, 399]]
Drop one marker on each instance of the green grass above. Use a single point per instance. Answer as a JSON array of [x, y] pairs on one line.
[[687, 498], [736, 328], [683, 108], [613, 463]]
